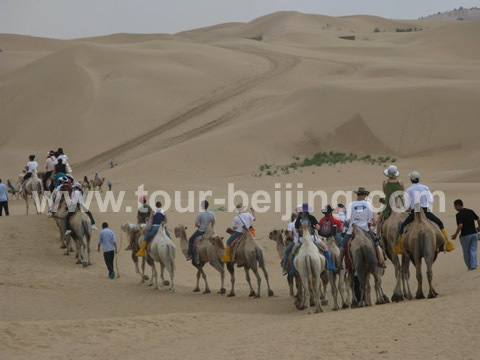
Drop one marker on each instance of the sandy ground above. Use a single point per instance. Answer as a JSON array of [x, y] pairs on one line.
[[200, 109]]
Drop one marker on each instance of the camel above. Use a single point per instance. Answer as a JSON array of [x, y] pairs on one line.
[[161, 249], [81, 233], [277, 236], [12, 189], [364, 261], [210, 250], [423, 240], [136, 230], [61, 222], [31, 186], [310, 264], [86, 184], [337, 280], [97, 183], [249, 255], [390, 232]]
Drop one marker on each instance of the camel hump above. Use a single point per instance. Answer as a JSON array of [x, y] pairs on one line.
[[419, 215]]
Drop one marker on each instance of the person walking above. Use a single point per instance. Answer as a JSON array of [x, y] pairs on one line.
[[468, 233], [108, 242], [3, 199]]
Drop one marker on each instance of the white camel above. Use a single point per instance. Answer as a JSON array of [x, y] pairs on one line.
[[31, 186], [309, 263], [162, 250]]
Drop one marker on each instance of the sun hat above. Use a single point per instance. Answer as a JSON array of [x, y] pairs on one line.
[[391, 172], [240, 208], [77, 185], [299, 208], [306, 208], [414, 175], [327, 209], [362, 191]]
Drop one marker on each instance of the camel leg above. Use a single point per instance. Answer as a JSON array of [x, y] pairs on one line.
[[316, 294], [259, 282], [220, 268], [265, 273], [247, 276], [341, 288], [407, 292], [418, 266], [162, 274], [290, 284], [137, 268], [150, 262], [231, 270], [154, 277], [363, 287], [397, 291], [26, 202], [332, 279], [144, 261], [197, 286], [172, 282], [429, 263], [204, 276], [306, 293], [324, 287]]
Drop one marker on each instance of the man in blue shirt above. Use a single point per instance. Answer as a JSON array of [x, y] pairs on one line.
[[106, 239], [3, 199]]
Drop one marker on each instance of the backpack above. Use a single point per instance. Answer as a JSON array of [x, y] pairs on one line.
[[327, 228]]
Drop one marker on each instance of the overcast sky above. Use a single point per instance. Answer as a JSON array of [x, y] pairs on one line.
[[79, 18]]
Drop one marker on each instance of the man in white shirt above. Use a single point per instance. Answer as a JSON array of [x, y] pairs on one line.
[[360, 213], [31, 167], [420, 195], [3, 199], [241, 223], [77, 199]]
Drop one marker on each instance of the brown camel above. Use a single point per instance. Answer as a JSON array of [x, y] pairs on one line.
[[423, 240], [277, 236], [135, 231], [97, 183], [390, 232], [61, 221], [210, 250], [336, 279], [86, 184], [81, 233], [249, 255], [364, 261]]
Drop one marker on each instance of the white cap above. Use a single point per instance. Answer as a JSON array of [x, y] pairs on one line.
[[414, 175]]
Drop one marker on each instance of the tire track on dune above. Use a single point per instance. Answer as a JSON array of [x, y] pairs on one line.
[[279, 64]]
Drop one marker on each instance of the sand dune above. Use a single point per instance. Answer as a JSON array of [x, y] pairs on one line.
[[202, 108]]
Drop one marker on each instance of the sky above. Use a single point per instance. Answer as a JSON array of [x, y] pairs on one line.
[[66, 19]]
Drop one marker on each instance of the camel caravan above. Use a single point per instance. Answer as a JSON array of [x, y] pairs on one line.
[[343, 253]]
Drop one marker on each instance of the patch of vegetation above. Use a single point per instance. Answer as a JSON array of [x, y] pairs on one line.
[[256, 38], [377, 30], [408, 29], [331, 158]]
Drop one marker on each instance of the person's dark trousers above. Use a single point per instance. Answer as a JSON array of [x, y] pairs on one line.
[[4, 205], [428, 214], [109, 256], [109, 187], [28, 175], [191, 240], [45, 178]]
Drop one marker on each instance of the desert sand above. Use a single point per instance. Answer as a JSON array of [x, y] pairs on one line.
[[206, 107]]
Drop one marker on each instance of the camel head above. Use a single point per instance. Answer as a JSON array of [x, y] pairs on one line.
[[180, 231], [276, 235]]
